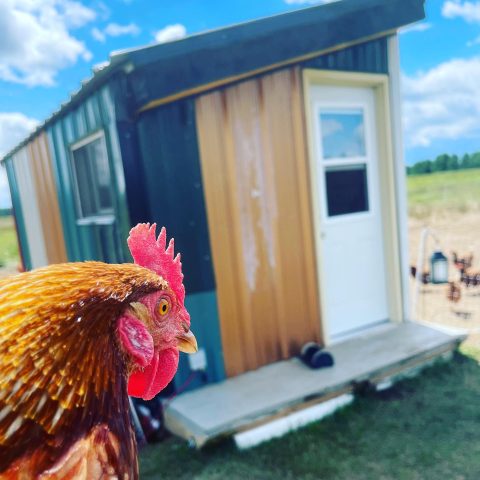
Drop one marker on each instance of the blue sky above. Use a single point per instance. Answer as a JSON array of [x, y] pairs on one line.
[[49, 46]]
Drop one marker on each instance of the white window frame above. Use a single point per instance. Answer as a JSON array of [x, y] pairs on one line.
[[104, 213]]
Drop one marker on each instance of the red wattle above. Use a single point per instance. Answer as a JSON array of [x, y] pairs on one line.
[[156, 376]]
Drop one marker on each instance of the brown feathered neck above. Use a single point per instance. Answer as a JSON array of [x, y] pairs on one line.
[[63, 374]]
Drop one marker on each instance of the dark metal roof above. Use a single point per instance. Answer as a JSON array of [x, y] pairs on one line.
[[163, 70]]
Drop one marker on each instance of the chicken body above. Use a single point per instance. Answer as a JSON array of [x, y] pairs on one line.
[[73, 338]]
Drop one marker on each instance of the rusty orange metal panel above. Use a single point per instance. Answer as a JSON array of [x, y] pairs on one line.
[[254, 166], [41, 167]]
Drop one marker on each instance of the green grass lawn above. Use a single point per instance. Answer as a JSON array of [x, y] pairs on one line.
[[443, 192], [8, 242], [424, 428]]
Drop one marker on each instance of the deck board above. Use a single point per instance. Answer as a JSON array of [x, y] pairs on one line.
[[240, 401]]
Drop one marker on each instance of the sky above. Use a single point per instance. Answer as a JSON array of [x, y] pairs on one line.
[[48, 47]]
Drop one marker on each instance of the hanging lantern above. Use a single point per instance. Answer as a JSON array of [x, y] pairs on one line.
[[439, 267]]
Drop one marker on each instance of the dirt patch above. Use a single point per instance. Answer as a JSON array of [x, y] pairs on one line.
[[459, 233]]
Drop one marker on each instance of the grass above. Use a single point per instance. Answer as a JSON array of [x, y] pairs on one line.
[[424, 428], [8, 242], [443, 193]]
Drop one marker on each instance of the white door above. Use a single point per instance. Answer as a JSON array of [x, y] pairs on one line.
[[352, 258]]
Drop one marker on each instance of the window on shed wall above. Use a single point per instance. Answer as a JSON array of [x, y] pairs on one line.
[[92, 178]]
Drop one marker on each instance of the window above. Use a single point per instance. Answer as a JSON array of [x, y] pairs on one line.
[[347, 190], [92, 178], [342, 134], [345, 162]]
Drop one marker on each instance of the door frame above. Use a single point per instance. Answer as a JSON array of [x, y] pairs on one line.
[[379, 83]]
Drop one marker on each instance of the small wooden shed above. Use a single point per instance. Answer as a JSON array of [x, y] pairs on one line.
[[270, 150]]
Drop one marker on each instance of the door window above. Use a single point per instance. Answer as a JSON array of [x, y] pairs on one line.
[[345, 161], [92, 178], [342, 134]]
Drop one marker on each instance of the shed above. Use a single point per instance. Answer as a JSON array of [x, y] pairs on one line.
[[272, 152]]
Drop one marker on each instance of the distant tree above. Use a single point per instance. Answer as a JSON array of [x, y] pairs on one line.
[[465, 161], [5, 212], [422, 167], [475, 160], [445, 162], [440, 163], [452, 163]]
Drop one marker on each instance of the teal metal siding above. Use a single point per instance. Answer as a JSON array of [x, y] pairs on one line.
[[205, 325], [18, 214], [173, 187], [93, 238], [171, 194]]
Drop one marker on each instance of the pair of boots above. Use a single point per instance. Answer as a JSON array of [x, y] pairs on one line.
[[315, 357]]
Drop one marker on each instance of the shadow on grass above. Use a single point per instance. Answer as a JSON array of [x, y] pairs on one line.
[[423, 428]]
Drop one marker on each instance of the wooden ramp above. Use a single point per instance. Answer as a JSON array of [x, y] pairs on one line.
[[257, 397]]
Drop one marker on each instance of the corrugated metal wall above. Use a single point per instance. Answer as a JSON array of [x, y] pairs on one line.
[[371, 57], [91, 239], [172, 193], [41, 169], [254, 166], [35, 204], [18, 214]]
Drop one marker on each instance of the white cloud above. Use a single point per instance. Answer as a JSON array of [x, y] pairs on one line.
[[170, 33], [115, 30], [331, 127], [442, 103], [14, 127], [36, 39], [416, 27], [469, 11], [98, 34]]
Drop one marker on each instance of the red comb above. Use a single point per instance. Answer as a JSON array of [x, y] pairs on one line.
[[150, 252]]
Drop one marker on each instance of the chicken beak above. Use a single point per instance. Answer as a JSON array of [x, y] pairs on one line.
[[187, 342]]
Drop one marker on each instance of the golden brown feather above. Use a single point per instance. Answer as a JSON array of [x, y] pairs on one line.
[[63, 378]]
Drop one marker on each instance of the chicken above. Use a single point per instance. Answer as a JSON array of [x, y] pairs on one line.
[[464, 263], [74, 339], [454, 294], [424, 277]]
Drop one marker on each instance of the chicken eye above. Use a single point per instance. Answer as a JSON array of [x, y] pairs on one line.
[[163, 307]]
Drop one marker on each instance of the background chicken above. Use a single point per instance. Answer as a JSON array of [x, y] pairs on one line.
[[73, 339]]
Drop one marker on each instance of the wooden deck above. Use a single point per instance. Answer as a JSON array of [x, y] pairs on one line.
[[257, 397]]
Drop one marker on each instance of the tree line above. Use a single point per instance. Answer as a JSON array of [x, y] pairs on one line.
[[445, 162]]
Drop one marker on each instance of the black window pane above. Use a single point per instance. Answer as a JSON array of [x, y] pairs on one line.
[[84, 184], [102, 177], [347, 190]]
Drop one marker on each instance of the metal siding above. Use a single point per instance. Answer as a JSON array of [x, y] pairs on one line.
[[369, 57], [62, 172], [173, 187], [30, 208], [255, 170], [138, 205], [18, 213], [40, 166], [205, 325], [92, 240]]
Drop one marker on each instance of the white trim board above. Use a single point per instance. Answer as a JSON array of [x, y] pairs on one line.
[[294, 421]]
